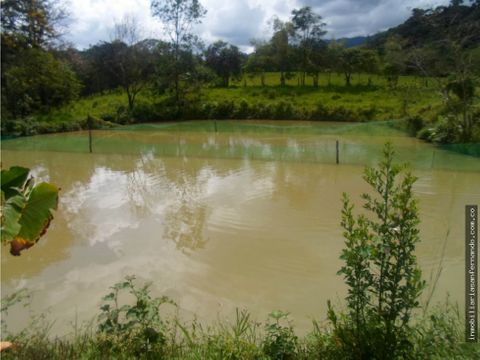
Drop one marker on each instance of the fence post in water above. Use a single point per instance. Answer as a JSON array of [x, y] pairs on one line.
[[89, 124], [337, 158]]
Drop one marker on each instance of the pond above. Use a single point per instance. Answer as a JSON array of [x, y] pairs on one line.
[[222, 215]]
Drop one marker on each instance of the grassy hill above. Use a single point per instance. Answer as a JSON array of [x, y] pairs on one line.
[[247, 99]]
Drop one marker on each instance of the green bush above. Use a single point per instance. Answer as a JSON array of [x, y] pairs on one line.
[[223, 110], [280, 341], [134, 329], [243, 110], [425, 134], [414, 124], [381, 272], [446, 130]]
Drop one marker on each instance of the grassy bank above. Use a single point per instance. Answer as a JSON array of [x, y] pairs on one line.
[[137, 331], [369, 98]]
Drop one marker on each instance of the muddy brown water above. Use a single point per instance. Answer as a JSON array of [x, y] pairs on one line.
[[219, 221]]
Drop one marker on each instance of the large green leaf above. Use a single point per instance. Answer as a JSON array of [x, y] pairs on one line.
[[15, 177], [11, 213], [36, 214], [25, 209]]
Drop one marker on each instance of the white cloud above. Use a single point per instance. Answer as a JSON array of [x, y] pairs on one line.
[[237, 21], [93, 20]]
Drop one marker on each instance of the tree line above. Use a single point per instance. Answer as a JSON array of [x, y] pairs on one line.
[[40, 72]]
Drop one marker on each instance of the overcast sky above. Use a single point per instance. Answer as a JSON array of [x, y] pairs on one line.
[[238, 21]]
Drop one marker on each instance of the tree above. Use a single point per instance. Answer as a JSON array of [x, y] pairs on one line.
[[317, 59], [394, 60], [332, 57], [280, 47], [178, 17], [369, 63], [349, 61], [100, 68], [225, 60], [380, 267], [259, 61], [32, 78], [451, 62], [31, 23], [36, 82], [309, 29], [133, 61]]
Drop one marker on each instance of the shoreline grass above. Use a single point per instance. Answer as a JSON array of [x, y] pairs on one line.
[[437, 334]]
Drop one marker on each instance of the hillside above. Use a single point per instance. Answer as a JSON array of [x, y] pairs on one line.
[[424, 27]]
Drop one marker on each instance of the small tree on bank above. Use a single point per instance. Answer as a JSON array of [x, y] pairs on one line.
[[380, 269]]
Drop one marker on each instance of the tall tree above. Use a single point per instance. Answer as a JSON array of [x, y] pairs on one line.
[[224, 60], [178, 17], [347, 61], [32, 78], [31, 23], [36, 82], [133, 60], [309, 29], [280, 47], [317, 59], [259, 61], [394, 60]]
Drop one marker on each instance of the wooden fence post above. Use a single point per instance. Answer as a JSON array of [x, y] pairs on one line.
[[89, 124], [337, 152]]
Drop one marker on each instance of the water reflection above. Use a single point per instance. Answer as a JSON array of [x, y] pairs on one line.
[[242, 220]]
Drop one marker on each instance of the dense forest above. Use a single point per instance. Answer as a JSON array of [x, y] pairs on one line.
[[437, 48]]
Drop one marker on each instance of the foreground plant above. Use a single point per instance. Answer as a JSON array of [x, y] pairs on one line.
[[136, 329], [25, 208], [381, 271]]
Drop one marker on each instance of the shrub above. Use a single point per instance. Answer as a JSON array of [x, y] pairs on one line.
[[380, 270], [441, 336], [425, 134], [224, 110], [367, 114], [132, 329], [283, 111], [414, 124], [280, 341], [243, 110], [446, 131]]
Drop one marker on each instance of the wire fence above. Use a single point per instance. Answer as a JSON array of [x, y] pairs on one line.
[[328, 143]]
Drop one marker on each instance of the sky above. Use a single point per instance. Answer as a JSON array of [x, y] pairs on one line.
[[239, 21]]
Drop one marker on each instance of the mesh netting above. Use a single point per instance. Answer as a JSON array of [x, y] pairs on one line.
[[359, 143]]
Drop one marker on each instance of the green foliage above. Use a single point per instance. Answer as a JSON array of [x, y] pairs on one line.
[[36, 81], [26, 208], [238, 340], [177, 17], [441, 335], [280, 340], [146, 335], [27, 23], [225, 60], [414, 124], [139, 324], [380, 270]]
